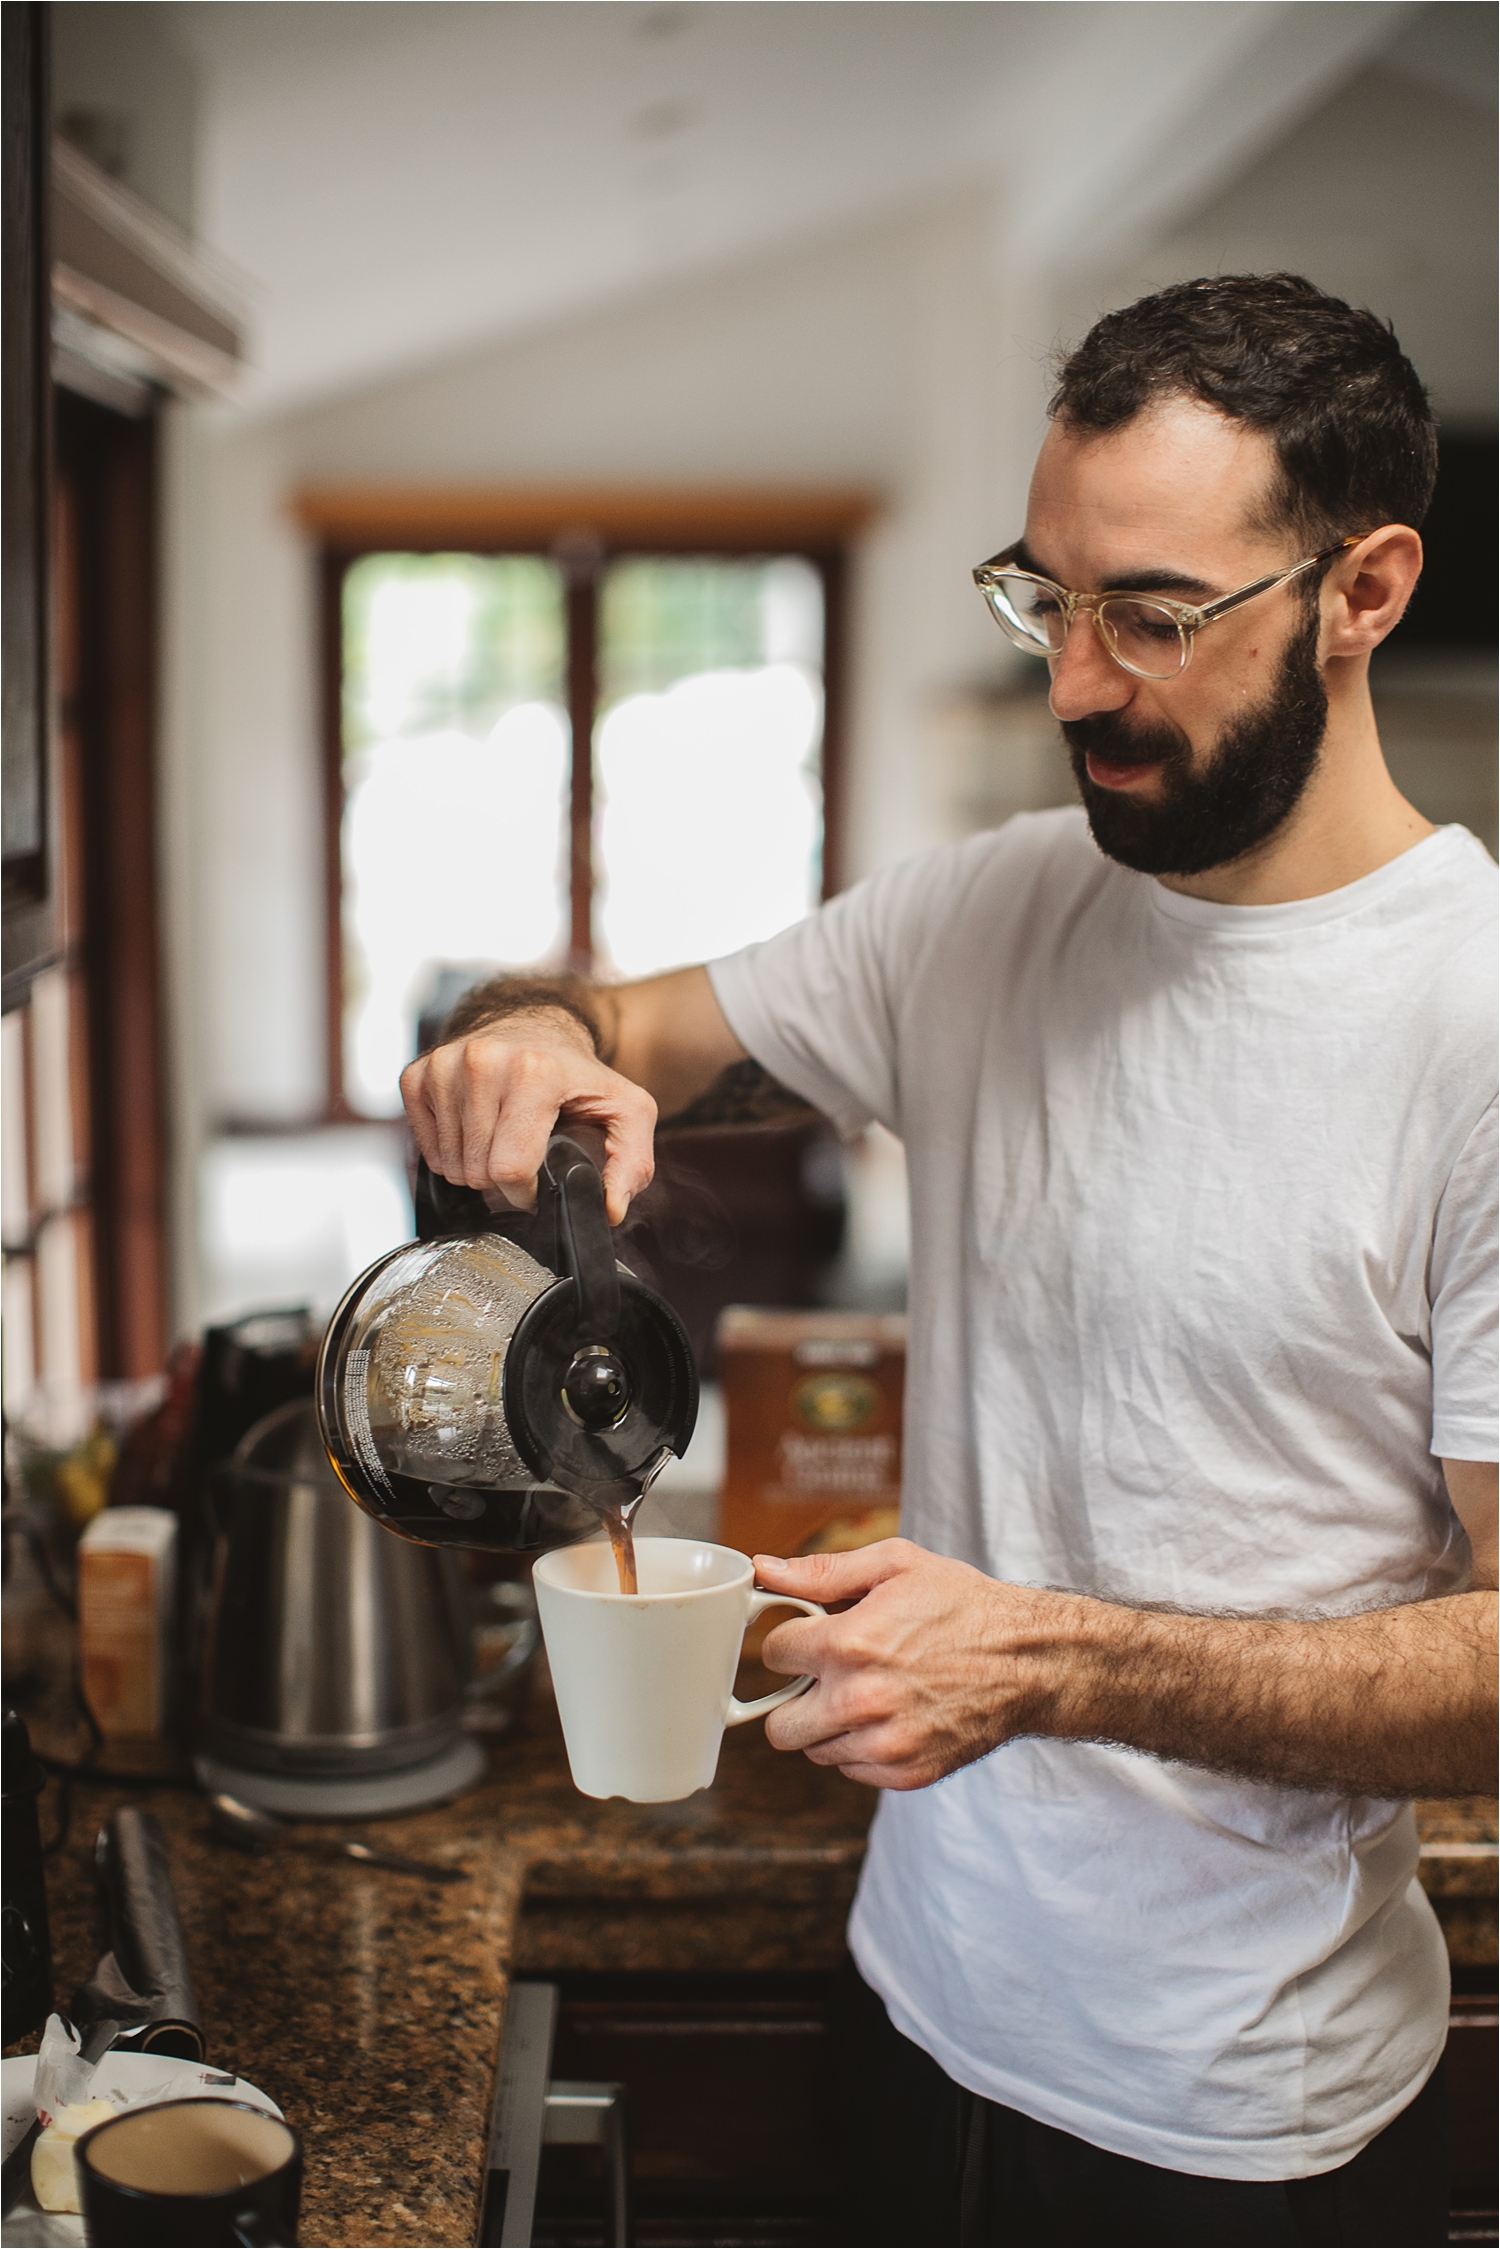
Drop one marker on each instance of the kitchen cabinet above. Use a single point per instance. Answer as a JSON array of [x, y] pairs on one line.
[[729, 2091]]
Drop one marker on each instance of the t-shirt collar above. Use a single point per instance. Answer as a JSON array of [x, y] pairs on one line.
[[1305, 913]]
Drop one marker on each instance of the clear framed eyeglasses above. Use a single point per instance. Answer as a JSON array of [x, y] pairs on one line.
[[1145, 633]]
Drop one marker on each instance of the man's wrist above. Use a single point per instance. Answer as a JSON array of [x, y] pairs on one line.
[[542, 1026], [1094, 1660], [1050, 1649], [604, 1015], [539, 1003]]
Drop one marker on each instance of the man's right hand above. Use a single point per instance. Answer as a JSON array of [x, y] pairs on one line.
[[483, 1108]]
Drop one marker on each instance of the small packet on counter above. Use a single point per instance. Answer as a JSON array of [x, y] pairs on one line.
[[73, 2095], [54, 2174], [63, 2077], [66, 2108]]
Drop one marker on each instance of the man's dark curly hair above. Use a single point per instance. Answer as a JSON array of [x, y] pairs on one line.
[[1332, 388]]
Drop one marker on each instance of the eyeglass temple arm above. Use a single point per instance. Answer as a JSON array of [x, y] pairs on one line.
[[996, 563], [1222, 607]]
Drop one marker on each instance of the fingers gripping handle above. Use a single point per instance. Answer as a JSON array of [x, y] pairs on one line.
[[738, 1712]]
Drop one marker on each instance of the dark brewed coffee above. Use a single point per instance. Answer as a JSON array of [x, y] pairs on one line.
[[616, 1506], [617, 1523], [497, 1520], [507, 1520]]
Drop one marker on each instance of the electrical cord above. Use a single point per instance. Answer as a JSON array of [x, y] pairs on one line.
[[16, 1519], [104, 1776], [67, 1775]]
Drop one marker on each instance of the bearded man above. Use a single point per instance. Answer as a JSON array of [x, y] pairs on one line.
[[1197, 1091]]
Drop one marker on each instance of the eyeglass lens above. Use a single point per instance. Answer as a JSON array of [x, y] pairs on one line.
[[1141, 635]]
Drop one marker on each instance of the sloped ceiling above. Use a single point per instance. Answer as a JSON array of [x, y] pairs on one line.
[[400, 182]]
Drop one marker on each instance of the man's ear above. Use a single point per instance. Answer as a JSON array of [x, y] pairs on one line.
[[1366, 591]]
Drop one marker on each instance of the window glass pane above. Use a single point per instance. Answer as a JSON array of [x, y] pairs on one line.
[[707, 755], [456, 780]]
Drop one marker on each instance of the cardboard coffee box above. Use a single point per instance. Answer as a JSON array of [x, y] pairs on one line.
[[813, 1407]]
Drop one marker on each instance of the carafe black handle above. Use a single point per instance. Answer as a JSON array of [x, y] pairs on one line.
[[585, 1241], [444, 1208]]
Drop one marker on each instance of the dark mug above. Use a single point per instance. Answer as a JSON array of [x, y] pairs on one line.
[[194, 2174]]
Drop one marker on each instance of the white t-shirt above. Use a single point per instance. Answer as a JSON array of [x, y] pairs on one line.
[[1203, 1278]]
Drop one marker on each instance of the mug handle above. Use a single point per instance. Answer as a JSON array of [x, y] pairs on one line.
[[759, 1602]]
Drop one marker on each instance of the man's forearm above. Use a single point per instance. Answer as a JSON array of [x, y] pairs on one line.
[[1396, 1702]]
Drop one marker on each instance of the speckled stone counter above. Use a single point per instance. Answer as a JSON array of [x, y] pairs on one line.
[[370, 2006], [1460, 1857]]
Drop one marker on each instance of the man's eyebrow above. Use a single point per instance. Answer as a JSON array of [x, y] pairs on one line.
[[1164, 581], [1138, 581], [1023, 558]]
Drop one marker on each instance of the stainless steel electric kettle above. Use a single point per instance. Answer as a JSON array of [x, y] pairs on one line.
[[503, 1379], [329, 1651]]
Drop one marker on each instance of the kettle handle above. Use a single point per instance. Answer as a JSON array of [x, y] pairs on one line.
[[584, 1237]]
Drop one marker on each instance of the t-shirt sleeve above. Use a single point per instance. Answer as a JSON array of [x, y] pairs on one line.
[[1465, 1374], [818, 1005]]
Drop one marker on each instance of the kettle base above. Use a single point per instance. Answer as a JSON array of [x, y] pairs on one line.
[[347, 1796]]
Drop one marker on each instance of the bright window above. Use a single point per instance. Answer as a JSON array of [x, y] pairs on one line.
[[468, 843], [455, 845], [709, 815]]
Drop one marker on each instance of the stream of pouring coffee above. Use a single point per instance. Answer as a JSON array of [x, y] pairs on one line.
[[617, 1523], [616, 1505]]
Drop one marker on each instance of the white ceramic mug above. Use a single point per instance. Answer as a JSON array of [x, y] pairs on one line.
[[645, 1681]]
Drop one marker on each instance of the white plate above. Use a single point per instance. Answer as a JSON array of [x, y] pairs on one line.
[[123, 2078]]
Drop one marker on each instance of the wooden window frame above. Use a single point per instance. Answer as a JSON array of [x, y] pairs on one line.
[[26, 910], [582, 530], [106, 484]]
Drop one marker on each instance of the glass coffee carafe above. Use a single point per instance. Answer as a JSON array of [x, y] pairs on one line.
[[503, 1382]]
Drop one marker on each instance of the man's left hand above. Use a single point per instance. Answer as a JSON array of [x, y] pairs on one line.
[[927, 1665]]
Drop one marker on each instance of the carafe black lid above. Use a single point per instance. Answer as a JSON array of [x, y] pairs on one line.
[[599, 1378], [585, 1411]]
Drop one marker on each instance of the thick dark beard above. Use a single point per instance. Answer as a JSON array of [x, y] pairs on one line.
[[1261, 764]]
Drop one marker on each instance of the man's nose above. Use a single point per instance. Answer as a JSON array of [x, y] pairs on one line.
[[1085, 677]]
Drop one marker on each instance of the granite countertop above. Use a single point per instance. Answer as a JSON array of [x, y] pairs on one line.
[[370, 2005]]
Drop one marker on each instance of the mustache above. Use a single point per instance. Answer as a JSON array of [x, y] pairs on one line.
[[1249, 780], [1106, 736]]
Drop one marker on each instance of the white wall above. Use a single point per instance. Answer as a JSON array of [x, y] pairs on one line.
[[869, 359], [1384, 196]]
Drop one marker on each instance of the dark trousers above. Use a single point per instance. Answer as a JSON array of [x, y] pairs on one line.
[[930, 2165]]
